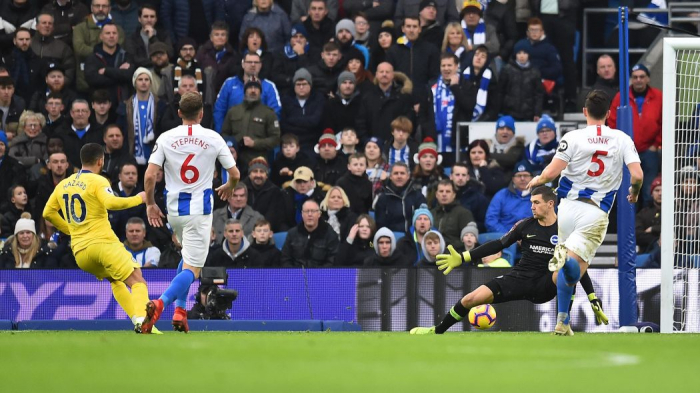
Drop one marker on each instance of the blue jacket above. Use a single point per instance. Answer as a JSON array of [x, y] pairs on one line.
[[274, 24], [507, 207], [544, 57], [231, 94], [175, 16]]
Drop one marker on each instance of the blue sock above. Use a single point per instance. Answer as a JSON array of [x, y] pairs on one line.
[[180, 284], [178, 301], [569, 274], [179, 267]]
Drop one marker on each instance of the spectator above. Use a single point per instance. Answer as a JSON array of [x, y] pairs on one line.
[[141, 39], [401, 145], [319, 26], [273, 22], [78, 132], [345, 38], [253, 40], [262, 242], [232, 94], [15, 14], [126, 14], [263, 196], [357, 246], [102, 114], [161, 70], [470, 193], [450, 103], [348, 141], [377, 167], [363, 78], [11, 171], [312, 243], [253, 124], [66, 15], [29, 147], [484, 169], [238, 209], [470, 238], [648, 222], [143, 252], [169, 118], [294, 56], [450, 216], [477, 31], [432, 245], [356, 185], [299, 11], [186, 64], [416, 58], [18, 204], [330, 165], [23, 65], [218, 54], [87, 35], [511, 204], [326, 70], [482, 87], [455, 42], [606, 80], [140, 118], [362, 31], [11, 106], [506, 149], [520, 87], [302, 188], [57, 170], [387, 100], [110, 67], [501, 16], [53, 108], [302, 110], [288, 160], [540, 151], [115, 154], [496, 260], [235, 11], [431, 29], [543, 55], [336, 211], [646, 104], [398, 200], [183, 18], [235, 251], [445, 10], [386, 252], [55, 79], [411, 245], [341, 110], [126, 185], [26, 250], [427, 172], [385, 40]]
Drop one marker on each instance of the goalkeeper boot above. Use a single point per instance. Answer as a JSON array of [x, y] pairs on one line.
[[423, 330], [180, 320], [153, 310], [563, 329], [559, 258]]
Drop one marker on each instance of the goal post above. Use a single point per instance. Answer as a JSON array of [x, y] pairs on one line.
[[680, 232]]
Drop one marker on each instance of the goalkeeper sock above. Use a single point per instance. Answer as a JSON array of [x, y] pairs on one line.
[[123, 296], [139, 295], [566, 280], [456, 314], [586, 283], [180, 284]]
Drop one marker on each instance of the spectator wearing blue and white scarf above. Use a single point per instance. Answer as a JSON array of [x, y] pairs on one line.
[[482, 89], [540, 151], [448, 98], [477, 31], [141, 116]]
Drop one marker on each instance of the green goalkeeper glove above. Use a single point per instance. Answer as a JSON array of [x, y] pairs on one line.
[[447, 262], [597, 307]]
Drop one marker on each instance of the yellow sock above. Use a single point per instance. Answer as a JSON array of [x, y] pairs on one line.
[[123, 296], [139, 296]]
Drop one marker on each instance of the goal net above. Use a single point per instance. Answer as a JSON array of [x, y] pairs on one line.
[[680, 190]]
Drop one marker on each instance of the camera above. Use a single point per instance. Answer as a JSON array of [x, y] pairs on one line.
[[217, 300]]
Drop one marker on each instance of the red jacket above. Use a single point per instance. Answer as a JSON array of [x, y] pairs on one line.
[[647, 126]]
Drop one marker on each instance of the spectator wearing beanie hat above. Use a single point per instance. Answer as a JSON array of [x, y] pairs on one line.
[[142, 110], [469, 237], [364, 79], [341, 110], [506, 148], [512, 203], [345, 37], [520, 86], [330, 165], [294, 56], [445, 10], [432, 30], [386, 36], [26, 250], [540, 151], [302, 110], [428, 172], [411, 244], [648, 220]]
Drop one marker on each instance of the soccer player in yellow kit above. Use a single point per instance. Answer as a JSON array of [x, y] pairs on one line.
[[83, 199]]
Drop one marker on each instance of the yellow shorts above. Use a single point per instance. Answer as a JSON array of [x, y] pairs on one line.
[[107, 260]]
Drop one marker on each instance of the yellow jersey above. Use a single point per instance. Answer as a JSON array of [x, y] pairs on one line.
[[84, 199]]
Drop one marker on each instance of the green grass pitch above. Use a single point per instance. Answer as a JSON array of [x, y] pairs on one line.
[[347, 362]]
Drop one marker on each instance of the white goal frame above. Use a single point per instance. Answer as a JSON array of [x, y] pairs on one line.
[[668, 171]]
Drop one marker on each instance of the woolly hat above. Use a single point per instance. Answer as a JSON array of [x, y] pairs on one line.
[[388, 27], [355, 55], [25, 224], [258, 163], [328, 137], [303, 173], [471, 5], [507, 122], [376, 140], [303, 73], [231, 142], [522, 45], [157, 47], [655, 183], [427, 3], [523, 166], [422, 210], [346, 76], [345, 24], [640, 67], [53, 66], [186, 41], [3, 138], [252, 83], [139, 71], [470, 228], [427, 147], [299, 28], [546, 122]]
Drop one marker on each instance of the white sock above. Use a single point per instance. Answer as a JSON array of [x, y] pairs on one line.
[[135, 320]]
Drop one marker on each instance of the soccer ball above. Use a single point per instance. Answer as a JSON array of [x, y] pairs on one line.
[[482, 317]]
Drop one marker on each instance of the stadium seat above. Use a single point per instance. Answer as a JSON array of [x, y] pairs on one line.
[[448, 171], [508, 253], [279, 237], [399, 235]]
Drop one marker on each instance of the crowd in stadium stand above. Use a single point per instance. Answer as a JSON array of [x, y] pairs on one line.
[[341, 115]]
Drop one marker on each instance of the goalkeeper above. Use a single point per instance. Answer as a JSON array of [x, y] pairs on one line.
[[528, 280]]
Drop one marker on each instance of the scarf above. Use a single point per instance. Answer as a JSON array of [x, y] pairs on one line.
[[220, 54], [405, 42], [523, 65], [536, 152], [101, 23], [482, 94], [333, 220], [444, 102], [479, 33], [289, 52], [143, 133], [457, 53], [500, 148], [187, 67]]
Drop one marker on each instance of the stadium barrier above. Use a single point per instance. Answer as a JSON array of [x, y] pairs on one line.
[[195, 325]]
